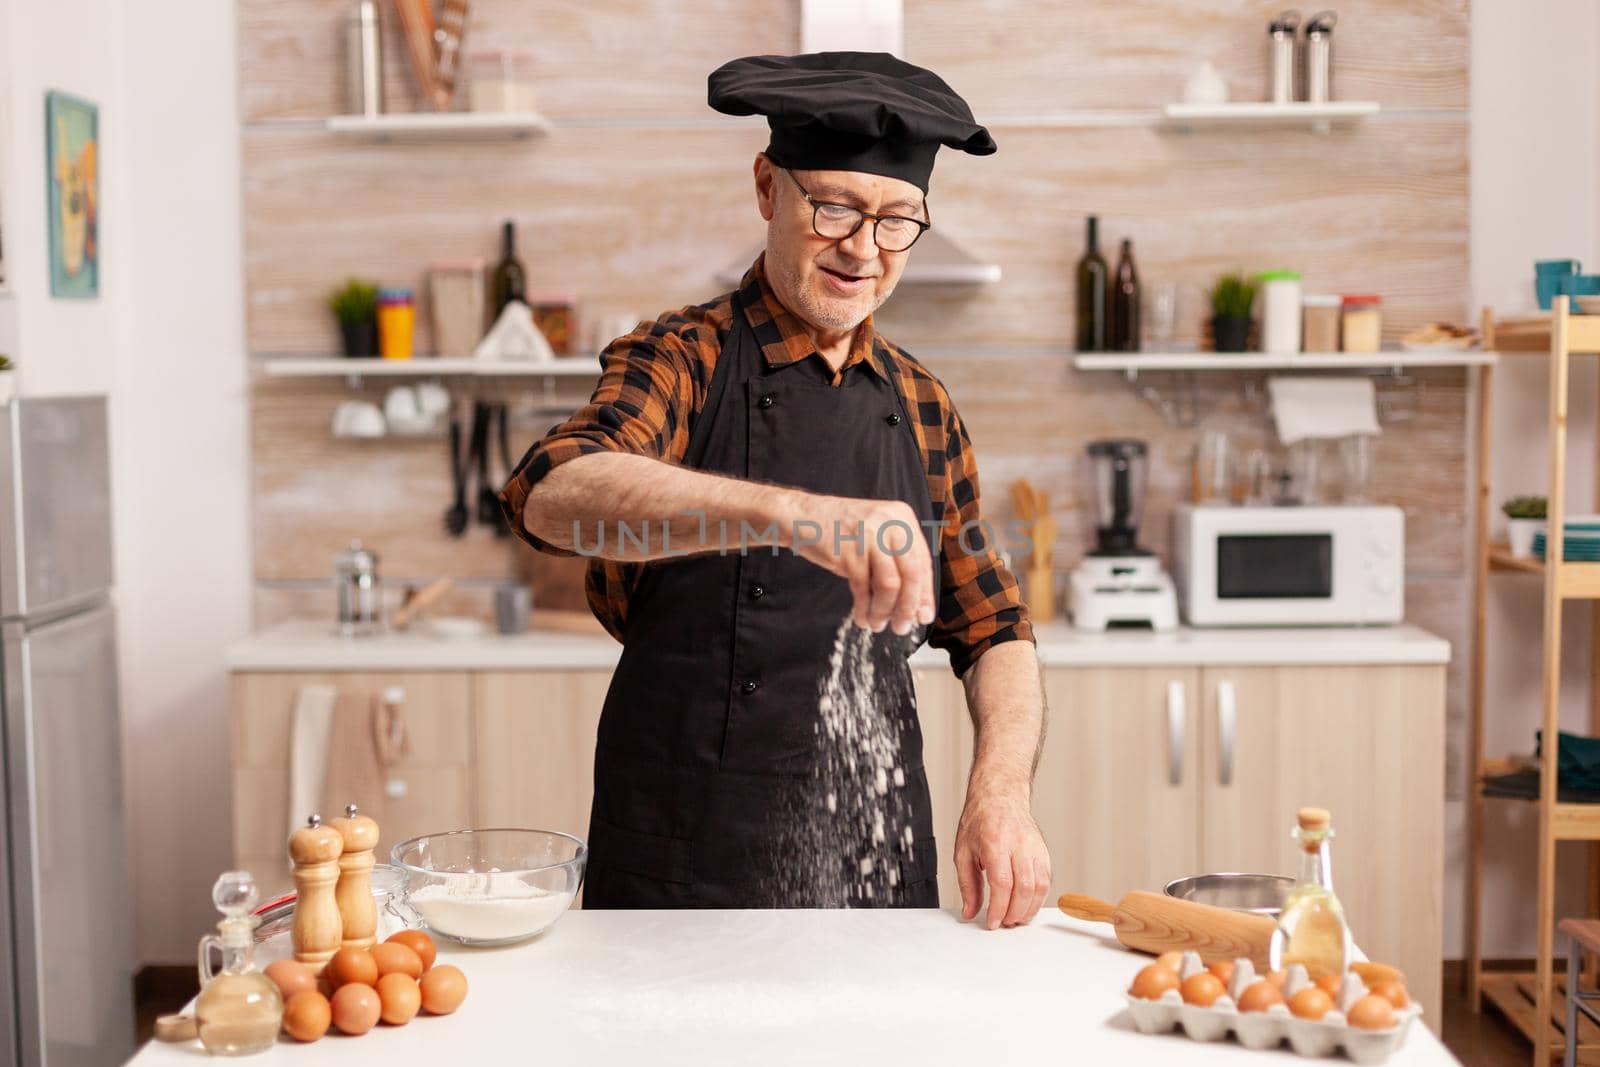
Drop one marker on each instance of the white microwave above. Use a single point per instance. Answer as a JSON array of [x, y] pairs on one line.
[[1289, 566]]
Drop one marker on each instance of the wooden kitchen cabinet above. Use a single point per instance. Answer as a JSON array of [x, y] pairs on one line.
[[436, 775], [947, 756], [535, 736], [1367, 743], [1116, 793]]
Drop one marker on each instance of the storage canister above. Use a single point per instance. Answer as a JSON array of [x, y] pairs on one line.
[[1320, 322], [1280, 56], [1363, 323], [457, 291], [1319, 57], [1280, 311], [501, 79], [363, 60], [397, 323]]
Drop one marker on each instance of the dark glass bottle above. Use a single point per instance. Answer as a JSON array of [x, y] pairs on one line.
[[1093, 293], [510, 280], [1125, 303]]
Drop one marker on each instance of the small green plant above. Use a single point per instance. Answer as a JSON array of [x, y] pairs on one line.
[[1232, 297], [1525, 507], [355, 302], [5, 363]]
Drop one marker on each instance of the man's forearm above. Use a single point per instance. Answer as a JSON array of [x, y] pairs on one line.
[[1006, 699], [668, 510]]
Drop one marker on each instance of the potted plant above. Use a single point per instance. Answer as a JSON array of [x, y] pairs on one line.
[[8, 384], [1232, 297], [1525, 517], [355, 305]]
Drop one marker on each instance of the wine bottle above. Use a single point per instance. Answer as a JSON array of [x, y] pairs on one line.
[[1125, 303], [510, 280], [1093, 292]]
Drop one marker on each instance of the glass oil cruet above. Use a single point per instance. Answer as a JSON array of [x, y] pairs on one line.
[[1311, 929], [240, 1009]]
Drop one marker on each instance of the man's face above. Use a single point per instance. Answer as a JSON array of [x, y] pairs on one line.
[[832, 284]]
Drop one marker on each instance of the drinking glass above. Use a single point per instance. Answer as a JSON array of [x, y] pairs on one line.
[[1356, 453], [1161, 312]]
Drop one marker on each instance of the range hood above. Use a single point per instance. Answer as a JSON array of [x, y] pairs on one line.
[[936, 260]]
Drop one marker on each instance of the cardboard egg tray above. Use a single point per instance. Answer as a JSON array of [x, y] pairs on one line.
[[1268, 1029]]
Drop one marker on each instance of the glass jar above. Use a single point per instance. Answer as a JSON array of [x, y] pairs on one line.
[[457, 289], [1319, 318], [397, 323], [239, 1009], [501, 79], [1280, 311], [1363, 323]]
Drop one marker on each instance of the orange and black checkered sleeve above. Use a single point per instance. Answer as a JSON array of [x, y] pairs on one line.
[[642, 405], [980, 605]]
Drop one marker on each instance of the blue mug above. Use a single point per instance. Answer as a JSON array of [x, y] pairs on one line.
[[1549, 275], [1579, 285]]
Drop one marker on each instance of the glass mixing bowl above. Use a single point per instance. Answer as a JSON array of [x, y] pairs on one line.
[[491, 887]]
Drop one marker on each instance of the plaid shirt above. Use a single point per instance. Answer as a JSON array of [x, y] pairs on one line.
[[653, 385]]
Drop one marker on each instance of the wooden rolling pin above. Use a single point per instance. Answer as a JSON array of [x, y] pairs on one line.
[[1154, 923]]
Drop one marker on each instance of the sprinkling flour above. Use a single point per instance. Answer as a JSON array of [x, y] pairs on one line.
[[845, 838]]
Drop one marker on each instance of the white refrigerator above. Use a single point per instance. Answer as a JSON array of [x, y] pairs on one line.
[[66, 953]]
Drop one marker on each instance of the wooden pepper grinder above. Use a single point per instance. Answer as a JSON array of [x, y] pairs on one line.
[[315, 850], [357, 908]]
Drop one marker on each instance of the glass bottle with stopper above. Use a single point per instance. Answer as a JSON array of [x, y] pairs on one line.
[[1311, 928], [239, 1009]]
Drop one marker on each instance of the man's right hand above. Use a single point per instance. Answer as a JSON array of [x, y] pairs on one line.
[[875, 545]]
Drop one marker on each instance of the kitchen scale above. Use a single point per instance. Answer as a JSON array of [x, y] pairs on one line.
[[1120, 584]]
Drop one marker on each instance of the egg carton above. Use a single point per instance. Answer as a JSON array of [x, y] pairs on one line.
[[1269, 1029]]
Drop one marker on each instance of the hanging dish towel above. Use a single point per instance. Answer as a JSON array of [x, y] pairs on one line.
[[308, 751], [1323, 407]]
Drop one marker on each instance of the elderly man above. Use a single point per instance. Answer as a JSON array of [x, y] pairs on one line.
[[779, 410]]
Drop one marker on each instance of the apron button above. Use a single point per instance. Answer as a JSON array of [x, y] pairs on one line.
[[751, 686], [757, 592], [766, 400], [892, 420]]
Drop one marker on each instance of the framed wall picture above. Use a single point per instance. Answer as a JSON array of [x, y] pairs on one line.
[[72, 142]]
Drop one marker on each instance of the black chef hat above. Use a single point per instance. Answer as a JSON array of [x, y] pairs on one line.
[[865, 111]]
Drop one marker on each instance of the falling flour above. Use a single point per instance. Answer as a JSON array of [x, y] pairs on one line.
[[844, 840]]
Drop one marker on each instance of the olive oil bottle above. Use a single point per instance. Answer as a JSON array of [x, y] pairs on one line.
[[1311, 928]]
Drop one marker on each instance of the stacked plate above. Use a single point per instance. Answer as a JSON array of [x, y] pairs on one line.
[[1580, 544]]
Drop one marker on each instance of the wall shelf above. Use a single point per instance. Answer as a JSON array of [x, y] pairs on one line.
[[440, 126], [423, 367], [1131, 363], [1316, 117]]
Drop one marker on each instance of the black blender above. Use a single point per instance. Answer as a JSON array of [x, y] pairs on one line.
[[1119, 584]]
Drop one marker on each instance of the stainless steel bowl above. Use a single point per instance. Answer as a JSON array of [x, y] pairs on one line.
[[1258, 894]]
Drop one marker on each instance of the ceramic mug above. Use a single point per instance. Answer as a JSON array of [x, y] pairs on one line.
[[1549, 275]]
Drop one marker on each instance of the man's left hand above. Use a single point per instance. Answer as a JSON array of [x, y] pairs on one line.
[[999, 841]]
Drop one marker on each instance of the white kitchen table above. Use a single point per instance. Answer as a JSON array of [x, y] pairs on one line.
[[787, 987]]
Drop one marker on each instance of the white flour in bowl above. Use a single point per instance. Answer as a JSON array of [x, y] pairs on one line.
[[488, 907]]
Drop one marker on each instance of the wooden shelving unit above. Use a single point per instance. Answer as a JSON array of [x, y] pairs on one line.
[[1132, 363], [440, 126], [1316, 117], [424, 367], [1531, 1002]]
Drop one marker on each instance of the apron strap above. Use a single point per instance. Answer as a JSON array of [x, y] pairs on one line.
[[700, 433]]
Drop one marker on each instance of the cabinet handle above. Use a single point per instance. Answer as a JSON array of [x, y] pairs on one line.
[[1176, 726], [1227, 716]]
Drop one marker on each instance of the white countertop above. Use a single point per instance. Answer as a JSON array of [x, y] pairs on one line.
[[313, 646], [787, 987]]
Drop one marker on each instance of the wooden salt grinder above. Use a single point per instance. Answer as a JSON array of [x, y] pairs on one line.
[[357, 908], [315, 850]]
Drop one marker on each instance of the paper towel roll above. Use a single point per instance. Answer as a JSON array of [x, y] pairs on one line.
[[1323, 407]]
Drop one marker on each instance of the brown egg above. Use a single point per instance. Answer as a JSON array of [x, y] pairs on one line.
[[306, 1015], [1373, 973], [443, 989], [1372, 1012], [356, 1008], [1223, 969], [1202, 989], [1277, 978], [1310, 1003], [1259, 996], [395, 958], [1330, 983], [400, 998], [352, 965], [1172, 961], [420, 943], [1393, 992], [1152, 981], [291, 977]]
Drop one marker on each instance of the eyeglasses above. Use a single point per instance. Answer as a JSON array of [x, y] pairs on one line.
[[838, 222]]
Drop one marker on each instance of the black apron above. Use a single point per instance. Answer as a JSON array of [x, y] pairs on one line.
[[708, 742]]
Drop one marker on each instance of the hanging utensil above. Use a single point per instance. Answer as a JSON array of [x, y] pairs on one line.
[[502, 418], [455, 518], [488, 498]]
